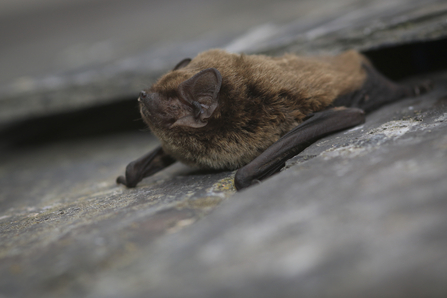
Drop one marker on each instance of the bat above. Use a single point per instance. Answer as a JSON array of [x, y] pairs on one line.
[[226, 111]]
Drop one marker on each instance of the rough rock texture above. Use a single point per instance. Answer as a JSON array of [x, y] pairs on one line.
[[361, 213], [63, 213]]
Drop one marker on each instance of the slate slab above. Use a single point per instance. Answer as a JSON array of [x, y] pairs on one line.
[[62, 212], [364, 26]]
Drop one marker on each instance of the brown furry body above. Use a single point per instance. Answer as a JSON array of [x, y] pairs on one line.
[[261, 99]]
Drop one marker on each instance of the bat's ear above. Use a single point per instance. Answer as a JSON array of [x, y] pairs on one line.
[[182, 63], [201, 92]]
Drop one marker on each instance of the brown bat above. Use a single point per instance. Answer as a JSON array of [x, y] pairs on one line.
[[252, 112]]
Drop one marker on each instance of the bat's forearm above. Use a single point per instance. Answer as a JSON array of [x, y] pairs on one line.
[[314, 128]]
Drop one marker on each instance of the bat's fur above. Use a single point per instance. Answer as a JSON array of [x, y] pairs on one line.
[[260, 99]]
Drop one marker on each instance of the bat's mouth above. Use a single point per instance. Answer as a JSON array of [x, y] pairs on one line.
[[145, 113]]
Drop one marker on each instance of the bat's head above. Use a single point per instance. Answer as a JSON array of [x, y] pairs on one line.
[[178, 101]]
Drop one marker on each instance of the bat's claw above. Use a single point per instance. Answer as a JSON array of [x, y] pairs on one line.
[[243, 180], [126, 182], [121, 180]]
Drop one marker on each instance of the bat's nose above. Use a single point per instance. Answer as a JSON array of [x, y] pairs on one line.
[[143, 95]]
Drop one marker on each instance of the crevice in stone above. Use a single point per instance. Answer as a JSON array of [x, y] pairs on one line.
[[403, 61], [116, 117]]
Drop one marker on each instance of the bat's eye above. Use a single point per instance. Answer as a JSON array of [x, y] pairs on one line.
[[143, 94]]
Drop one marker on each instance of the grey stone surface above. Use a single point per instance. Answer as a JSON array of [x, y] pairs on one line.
[[375, 25], [62, 215]]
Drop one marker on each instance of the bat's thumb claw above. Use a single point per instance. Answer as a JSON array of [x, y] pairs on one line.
[[121, 180]]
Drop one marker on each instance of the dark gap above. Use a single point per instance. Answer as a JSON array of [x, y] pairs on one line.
[[402, 61], [99, 120], [396, 62]]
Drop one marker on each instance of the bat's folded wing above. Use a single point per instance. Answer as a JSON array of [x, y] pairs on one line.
[[315, 127]]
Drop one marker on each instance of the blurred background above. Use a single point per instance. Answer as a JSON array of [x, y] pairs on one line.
[[47, 36]]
